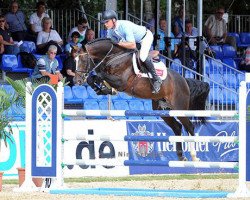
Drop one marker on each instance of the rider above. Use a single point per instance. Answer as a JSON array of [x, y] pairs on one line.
[[126, 34]]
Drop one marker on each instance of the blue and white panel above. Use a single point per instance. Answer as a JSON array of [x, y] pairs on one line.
[[44, 137]]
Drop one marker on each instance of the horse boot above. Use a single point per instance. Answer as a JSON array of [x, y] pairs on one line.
[[156, 79]]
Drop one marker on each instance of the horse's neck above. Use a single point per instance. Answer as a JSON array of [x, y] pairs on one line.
[[118, 56]]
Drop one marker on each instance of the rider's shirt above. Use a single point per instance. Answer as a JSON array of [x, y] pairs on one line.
[[127, 31]]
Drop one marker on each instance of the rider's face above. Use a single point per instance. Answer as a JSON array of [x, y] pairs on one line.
[[109, 24]]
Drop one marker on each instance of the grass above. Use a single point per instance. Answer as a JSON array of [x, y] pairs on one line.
[[141, 178]]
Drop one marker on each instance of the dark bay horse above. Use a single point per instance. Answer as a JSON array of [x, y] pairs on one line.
[[114, 65]]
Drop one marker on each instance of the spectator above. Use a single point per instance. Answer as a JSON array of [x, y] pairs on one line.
[[90, 35], [81, 27], [216, 29], [16, 22], [245, 63], [178, 23], [47, 37], [74, 42], [47, 66], [162, 33], [1, 46], [69, 67], [36, 19], [9, 46]]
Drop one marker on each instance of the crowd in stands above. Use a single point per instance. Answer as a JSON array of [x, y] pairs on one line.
[[47, 44], [14, 31]]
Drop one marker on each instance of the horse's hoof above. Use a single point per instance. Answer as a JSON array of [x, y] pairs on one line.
[[196, 159], [183, 158]]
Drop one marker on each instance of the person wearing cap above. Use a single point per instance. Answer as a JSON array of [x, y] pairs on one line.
[[47, 66], [127, 34]]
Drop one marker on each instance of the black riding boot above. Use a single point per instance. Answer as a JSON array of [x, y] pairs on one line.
[[156, 79]]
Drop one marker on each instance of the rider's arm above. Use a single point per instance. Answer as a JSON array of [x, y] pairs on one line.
[[127, 45]]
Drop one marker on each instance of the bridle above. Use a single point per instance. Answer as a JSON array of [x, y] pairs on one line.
[[90, 59]]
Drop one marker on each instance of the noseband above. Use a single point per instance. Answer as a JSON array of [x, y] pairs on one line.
[[90, 59]]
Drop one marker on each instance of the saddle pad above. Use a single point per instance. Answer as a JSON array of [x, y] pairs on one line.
[[160, 69]]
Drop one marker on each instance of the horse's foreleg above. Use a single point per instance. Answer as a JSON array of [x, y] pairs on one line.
[[190, 129]]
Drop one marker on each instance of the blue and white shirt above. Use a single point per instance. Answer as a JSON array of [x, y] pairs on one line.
[[127, 31], [45, 64]]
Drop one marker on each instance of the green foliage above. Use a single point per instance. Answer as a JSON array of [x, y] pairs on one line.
[[18, 98]]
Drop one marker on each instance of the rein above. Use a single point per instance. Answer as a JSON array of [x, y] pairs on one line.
[[101, 60]]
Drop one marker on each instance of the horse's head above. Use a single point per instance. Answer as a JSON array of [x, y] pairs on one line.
[[100, 51]]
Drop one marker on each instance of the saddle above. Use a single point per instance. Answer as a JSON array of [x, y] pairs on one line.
[[141, 71]]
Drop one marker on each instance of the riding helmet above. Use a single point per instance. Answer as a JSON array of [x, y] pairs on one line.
[[108, 14]]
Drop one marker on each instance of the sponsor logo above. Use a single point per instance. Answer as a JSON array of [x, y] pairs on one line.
[[143, 148]]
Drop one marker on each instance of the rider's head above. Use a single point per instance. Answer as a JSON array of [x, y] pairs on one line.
[[109, 17]]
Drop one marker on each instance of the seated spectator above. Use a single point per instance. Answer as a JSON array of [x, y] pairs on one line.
[[1, 45], [245, 63], [73, 42], [47, 66], [90, 35], [36, 19], [162, 33], [9, 46], [16, 22], [69, 67], [177, 25], [216, 29], [81, 28], [47, 37]]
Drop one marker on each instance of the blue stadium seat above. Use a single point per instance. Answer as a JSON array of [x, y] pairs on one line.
[[80, 92], [69, 98], [240, 77], [215, 66], [120, 105], [21, 67], [148, 104], [218, 51], [236, 36], [103, 104], [230, 97], [229, 51], [176, 65], [230, 80], [244, 39], [93, 95], [28, 46], [230, 62], [216, 95], [9, 62], [135, 105], [90, 104], [189, 74], [124, 95], [217, 78], [60, 63]]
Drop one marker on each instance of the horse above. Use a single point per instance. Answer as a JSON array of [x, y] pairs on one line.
[[114, 65]]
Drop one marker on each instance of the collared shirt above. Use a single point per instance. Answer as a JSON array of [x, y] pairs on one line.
[[217, 27], [37, 21], [127, 31], [16, 21], [45, 64]]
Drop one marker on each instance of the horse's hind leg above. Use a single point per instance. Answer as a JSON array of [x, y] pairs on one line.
[[176, 127], [190, 129]]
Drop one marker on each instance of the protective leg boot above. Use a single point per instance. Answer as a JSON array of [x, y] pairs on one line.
[[156, 79]]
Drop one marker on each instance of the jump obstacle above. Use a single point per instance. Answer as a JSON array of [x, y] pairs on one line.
[[46, 101]]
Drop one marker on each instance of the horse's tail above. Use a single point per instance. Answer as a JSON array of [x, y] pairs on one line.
[[199, 91]]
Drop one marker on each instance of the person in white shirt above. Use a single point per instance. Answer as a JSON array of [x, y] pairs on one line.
[[47, 37], [36, 18], [82, 25]]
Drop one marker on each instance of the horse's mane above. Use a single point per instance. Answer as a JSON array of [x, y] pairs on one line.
[[98, 40]]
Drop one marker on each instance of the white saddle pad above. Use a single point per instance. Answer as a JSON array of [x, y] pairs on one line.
[[160, 69]]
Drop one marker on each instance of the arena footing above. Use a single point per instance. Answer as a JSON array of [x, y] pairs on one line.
[[143, 192]]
